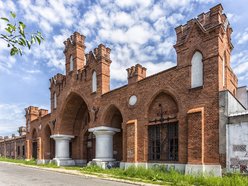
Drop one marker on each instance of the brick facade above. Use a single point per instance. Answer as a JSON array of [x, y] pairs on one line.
[[163, 98]]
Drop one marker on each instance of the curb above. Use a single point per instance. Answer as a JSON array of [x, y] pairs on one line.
[[78, 173]]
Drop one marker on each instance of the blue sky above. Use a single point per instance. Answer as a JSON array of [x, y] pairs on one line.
[[137, 31]]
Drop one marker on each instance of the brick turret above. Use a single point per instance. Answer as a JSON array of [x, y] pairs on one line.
[[74, 51], [136, 73], [102, 55], [209, 33]]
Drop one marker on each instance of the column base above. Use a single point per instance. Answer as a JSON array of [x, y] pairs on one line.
[[104, 164], [64, 162], [211, 170]]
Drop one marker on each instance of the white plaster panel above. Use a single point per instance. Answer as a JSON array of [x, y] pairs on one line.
[[237, 146]]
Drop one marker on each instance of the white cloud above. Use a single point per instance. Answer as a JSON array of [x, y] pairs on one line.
[[11, 117], [242, 37], [132, 3], [153, 68]]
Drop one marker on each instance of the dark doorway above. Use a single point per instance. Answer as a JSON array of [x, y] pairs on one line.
[[90, 143], [34, 150]]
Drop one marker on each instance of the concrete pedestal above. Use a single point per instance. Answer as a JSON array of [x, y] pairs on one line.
[[104, 144], [209, 170], [62, 154]]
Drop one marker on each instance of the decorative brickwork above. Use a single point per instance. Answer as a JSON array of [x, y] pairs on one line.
[[164, 99]]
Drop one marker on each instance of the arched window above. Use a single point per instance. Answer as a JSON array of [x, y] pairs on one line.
[[54, 101], [71, 63], [196, 70], [224, 70], [94, 82]]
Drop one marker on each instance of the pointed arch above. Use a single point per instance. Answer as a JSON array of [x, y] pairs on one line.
[[48, 143], [162, 128], [94, 82], [113, 118], [196, 70]]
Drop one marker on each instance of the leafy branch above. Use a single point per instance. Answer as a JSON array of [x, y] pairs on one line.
[[16, 37]]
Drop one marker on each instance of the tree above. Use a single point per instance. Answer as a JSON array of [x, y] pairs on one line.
[[16, 38]]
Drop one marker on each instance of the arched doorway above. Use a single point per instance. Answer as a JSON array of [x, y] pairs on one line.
[[114, 119], [163, 129], [34, 144], [75, 120], [49, 144]]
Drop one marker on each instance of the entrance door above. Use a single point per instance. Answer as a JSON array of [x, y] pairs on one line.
[[34, 153]]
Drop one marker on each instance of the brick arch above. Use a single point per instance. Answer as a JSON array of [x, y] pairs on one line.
[[196, 49], [113, 117], [165, 103], [48, 143], [166, 92], [72, 113], [110, 114]]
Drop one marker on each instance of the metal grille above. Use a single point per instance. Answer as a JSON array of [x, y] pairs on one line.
[[163, 142]]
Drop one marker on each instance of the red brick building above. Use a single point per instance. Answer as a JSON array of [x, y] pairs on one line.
[[169, 118], [14, 146]]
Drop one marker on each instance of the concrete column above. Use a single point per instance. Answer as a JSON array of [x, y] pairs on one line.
[[104, 143], [62, 153]]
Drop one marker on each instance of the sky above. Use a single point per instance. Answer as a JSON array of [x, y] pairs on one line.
[[137, 31]]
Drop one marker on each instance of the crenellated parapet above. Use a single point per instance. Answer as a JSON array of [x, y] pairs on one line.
[[102, 53], [74, 40], [207, 22], [136, 73], [58, 81]]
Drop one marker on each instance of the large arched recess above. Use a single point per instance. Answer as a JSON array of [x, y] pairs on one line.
[[48, 143], [113, 118], [34, 144], [162, 129], [75, 119]]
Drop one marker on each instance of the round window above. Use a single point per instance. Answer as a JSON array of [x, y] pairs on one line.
[[132, 100]]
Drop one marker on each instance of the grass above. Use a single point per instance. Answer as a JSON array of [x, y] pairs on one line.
[[156, 175], [28, 162]]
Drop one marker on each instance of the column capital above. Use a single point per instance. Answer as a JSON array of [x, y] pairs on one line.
[[103, 128], [61, 137]]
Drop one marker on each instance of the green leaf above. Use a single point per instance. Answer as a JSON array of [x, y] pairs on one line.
[[33, 39], [20, 51], [28, 43], [23, 41], [13, 51], [38, 39], [21, 28], [8, 30], [4, 18], [13, 27], [13, 14]]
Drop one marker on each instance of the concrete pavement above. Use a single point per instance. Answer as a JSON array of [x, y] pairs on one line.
[[16, 175]]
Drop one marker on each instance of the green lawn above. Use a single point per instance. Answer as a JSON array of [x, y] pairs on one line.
[[156, 175]]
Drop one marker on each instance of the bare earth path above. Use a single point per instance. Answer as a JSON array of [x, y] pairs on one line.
[[16, 175]]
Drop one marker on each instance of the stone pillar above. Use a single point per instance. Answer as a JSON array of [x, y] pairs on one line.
[[62, 150], [104, 143]]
